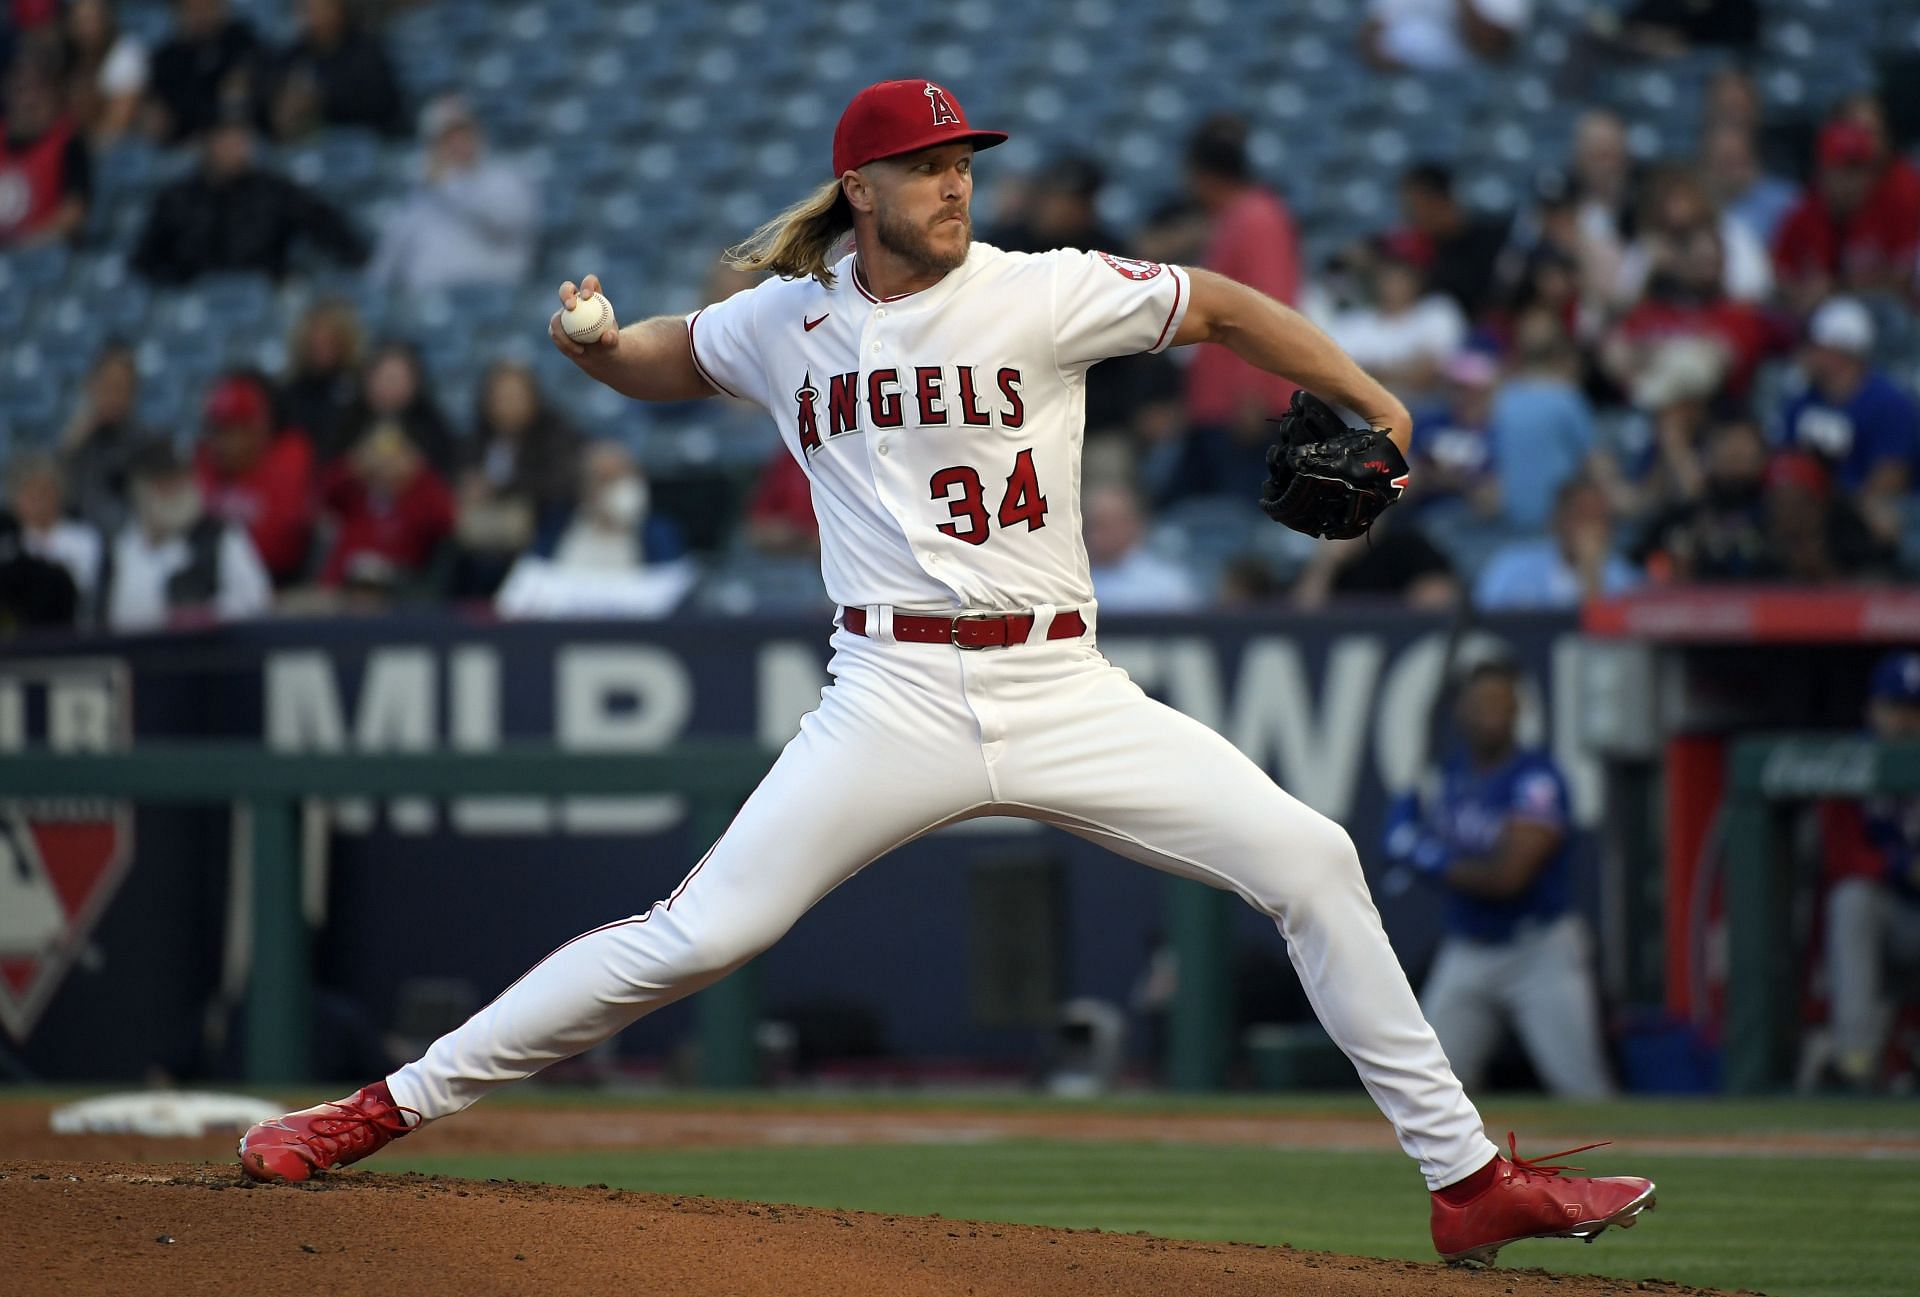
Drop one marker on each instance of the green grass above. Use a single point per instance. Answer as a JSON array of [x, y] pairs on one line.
[[1800, 1227], [1790, 1226]]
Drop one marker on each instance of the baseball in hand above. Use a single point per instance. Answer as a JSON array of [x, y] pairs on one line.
[[587, 319]]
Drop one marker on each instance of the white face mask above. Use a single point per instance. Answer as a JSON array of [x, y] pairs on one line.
[[624, 502]]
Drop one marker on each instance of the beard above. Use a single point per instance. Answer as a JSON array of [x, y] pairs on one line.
[[913, 244]]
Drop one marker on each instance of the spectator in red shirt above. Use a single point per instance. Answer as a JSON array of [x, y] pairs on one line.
[[1857, 229], [780, 518], [391, 513], [45, 179], [256, 477], [1253, 241]]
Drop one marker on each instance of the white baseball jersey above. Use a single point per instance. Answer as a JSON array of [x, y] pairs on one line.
[[941, 430], [941, 433]]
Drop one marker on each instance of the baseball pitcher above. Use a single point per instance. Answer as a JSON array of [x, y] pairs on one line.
[[933, 390]]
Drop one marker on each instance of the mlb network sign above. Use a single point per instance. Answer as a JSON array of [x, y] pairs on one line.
[[61, 859]]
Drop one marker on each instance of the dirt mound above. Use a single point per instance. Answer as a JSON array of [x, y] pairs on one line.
[[80, 1228]]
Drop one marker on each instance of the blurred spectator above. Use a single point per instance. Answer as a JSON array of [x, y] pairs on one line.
[[1058, 211], [336, 73], [322, 386], [106, 70], [616, 558], [1675, 387], [390, 514], [1403, 332], [1176, 233], [1452, 443], [1857, 229], [1460, 249], [1685, 297], [1729, 167], [1253, 241], [1441, 35], [1721, 533], [230, 215], [1814, 534], [1572, 564], [207, 65], [1541, 426], [46, 179], [780, 518], [1676, 210], [472, 219], [1855, 418], [393, 388], [1497, 838], [614, 528], [35, 593], [1662, 29], [1602, 168], [100, 437], [1127, 576], [36, 495], [172, 558], [1872, 850], [1393, 561], [257, 476], [518, 478]]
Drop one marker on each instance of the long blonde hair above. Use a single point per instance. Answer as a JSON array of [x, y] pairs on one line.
[[799, 241]]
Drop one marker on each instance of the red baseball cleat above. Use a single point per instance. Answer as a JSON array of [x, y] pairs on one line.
[[291, 1148], [1528, 1198]]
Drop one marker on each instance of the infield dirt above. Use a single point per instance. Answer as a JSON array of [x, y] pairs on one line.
[[77, 1228]]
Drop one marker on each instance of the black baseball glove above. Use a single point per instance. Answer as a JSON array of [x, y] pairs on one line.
[[1326, 478]]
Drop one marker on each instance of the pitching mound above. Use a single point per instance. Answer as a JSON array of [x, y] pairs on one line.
[[79, 1228]]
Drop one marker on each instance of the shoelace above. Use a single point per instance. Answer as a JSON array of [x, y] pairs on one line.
[[1544, 1164], [355, 1127]]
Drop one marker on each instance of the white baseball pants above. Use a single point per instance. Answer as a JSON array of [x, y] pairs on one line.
[[910, 737]]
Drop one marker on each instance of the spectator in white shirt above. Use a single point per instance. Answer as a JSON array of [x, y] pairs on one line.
[[173, 561], [472, 219], [36, 493], [1438, 35], [106, 69], [1407, 331], [1127, 576]]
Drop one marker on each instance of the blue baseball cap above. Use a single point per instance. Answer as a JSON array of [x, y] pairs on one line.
[[1897, 679]]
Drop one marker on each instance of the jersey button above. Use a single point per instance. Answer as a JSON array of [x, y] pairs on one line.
[[876, 348], [883, 448], [880, 313]]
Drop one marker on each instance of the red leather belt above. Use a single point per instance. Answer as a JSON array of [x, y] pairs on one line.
[[971, 631]]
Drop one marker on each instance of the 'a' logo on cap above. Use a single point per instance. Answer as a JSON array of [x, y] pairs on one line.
[[943, 114]]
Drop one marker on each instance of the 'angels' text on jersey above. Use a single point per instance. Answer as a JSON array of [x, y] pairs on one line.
[[941, 431], [940, 394]]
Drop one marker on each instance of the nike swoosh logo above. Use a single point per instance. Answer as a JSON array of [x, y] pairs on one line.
[[813, 324]]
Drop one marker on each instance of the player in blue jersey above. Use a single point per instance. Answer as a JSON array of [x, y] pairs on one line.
[[1497, 839], [1873, 911]]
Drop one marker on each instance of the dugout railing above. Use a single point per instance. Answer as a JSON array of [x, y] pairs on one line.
[[1765, 778], [714, 777]]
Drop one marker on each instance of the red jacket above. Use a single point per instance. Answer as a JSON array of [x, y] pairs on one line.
[[403, 530], [1883, 234], [273, 501], [37, 175]]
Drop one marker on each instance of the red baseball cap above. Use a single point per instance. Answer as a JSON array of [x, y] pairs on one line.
[[889, 118], [235, 399], [1845, 143]]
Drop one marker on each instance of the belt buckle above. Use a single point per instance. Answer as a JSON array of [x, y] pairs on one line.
[[976, 616]]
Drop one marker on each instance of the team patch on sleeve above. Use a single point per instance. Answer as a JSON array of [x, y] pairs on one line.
[[1537, 796], [1131, 267]]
